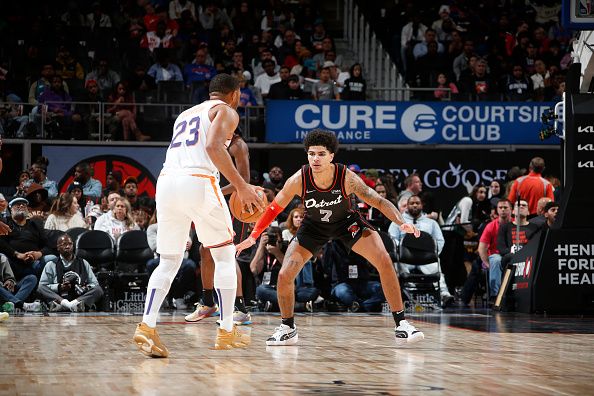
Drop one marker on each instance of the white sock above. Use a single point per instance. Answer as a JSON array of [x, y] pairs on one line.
[[65, 303], [74, 305], [226, 306], [154, 299], [158, 287]]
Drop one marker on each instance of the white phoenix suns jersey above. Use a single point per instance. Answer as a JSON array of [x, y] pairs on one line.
[[187, 152]]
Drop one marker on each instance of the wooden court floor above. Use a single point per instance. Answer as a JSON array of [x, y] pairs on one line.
[[347, 354]]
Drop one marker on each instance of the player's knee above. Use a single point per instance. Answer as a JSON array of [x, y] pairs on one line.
[[225, 271], [285, 277], [384, 263]]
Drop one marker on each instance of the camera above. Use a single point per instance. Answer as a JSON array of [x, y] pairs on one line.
[[74, 279], [272, 238]]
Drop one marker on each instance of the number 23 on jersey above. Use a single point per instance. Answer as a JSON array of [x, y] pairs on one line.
[[192, 135]]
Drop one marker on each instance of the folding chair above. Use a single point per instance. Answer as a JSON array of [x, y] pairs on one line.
[[420, 289]]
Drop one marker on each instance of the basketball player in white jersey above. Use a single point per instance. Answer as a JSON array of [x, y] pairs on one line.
[[188, 191]]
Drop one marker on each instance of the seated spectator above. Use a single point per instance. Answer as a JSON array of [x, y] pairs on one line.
[[91, 188], [113, 183], [413, 186], [280, 90], [68, 282], [426, 66], [265, 54], [508, 241], [108, 202], [539, 218], [269, 77], [246, 97], [327, 47], [325, 88], [211, 17], [541, 79], [445, 89], [67, 66], [462, 61], [421, 49], [355, 86], [164, 69], [266, 265], [65, 214], [139, 80], [124, 111], [43, 83], [39, 176], [496, 192], [352, 286], [57, 109], [414, 215], [26, 244], [131, 192], [198, 75], [550, 213], [119, 221], [176, 7], [488, 251], [479, 85], [12, 293], [160, 38], [376, 217], [293, 223], [86, 115], [185, 279], [295, 92], [445, 25], [39, 204], [516, 86], [105, 78]]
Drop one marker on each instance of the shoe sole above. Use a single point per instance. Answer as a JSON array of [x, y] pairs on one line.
[[237, 323], [410, 340], [216, 313], [148, 347], [290, 341]]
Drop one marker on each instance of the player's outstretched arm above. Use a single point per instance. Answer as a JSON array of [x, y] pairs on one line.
[[355, 185], [291, 188], [223, 124]]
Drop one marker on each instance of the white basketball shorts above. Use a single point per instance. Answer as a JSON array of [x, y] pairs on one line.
[[183, 199]]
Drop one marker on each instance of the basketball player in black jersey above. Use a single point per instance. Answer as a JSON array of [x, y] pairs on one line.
[[238, 149], [325, 189]]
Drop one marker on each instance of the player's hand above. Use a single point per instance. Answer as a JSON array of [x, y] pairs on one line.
[[252, 197], [410, 229], [245, 244]]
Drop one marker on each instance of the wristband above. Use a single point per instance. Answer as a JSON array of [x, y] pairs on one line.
[[263, 222]]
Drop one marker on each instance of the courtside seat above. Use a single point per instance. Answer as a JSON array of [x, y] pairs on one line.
[[418, 252], [133, 252], [97, 247], [75, 233]]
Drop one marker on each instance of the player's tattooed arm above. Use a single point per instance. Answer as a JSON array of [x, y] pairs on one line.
[[355, 185]]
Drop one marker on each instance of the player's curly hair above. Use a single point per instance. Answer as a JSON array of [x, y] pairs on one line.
[[320, 137], [223, 84]]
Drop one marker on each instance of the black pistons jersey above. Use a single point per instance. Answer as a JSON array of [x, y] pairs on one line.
[[329, 214], [329, 205]]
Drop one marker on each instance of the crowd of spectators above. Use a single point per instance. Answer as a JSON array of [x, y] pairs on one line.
[[38, 253], [129, 52], [494, 50]]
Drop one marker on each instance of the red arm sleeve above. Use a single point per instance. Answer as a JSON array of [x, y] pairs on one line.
[[263, 222]]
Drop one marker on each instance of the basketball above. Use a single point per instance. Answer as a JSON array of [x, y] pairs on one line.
[[244, 216]]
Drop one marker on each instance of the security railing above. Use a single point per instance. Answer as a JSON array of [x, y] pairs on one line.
[[93, 120]]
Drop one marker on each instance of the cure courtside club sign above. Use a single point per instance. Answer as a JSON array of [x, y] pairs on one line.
[[486, 123]]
